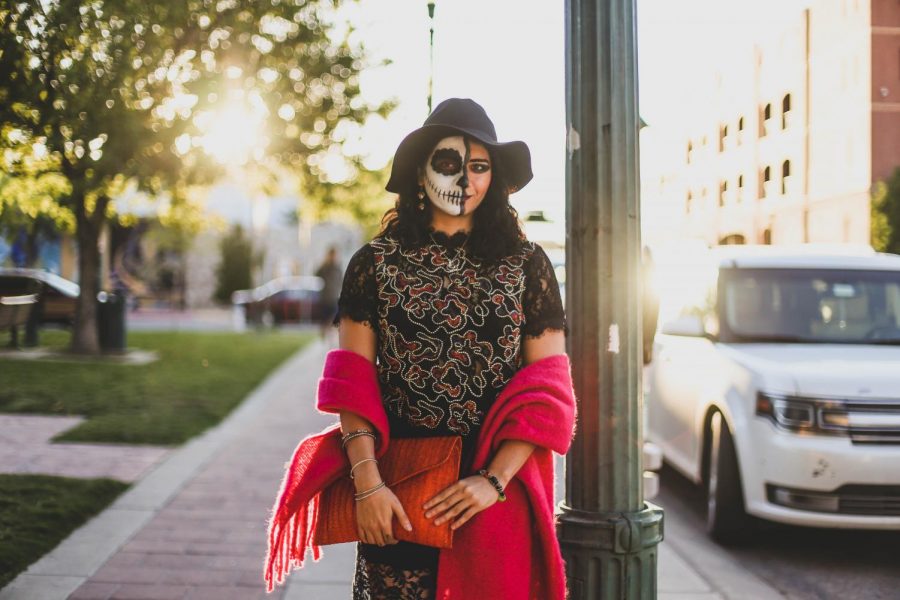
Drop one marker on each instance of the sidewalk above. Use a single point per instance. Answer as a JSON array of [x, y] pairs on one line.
[[194, 527]]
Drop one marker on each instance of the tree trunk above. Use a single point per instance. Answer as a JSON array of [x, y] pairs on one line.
[[32, 250], [84, 334]]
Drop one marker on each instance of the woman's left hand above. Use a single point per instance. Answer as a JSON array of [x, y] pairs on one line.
[[461, 501]]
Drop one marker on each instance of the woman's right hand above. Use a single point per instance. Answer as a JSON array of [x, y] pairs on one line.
[[375, 515]]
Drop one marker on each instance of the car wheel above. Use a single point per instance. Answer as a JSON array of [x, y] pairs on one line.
[[726, 519]]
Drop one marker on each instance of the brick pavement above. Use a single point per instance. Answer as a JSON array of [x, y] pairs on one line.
[[25, 447]]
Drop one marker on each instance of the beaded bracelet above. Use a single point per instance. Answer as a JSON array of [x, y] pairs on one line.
[[494, 482], [365, 460], [355, 434], [369, 492]]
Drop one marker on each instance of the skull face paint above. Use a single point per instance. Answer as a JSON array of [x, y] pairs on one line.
[[447, 175]]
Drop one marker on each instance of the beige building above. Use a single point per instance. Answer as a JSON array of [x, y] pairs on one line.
[[799, 127]]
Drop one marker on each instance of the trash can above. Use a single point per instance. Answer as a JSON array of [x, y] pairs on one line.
[[111, 321]]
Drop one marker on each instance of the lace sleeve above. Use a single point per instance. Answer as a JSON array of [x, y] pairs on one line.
[[359, 293], [542, 303]]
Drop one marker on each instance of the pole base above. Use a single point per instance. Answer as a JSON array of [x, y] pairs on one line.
[[610, 556]]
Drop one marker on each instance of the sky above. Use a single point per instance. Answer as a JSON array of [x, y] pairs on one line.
[[508, 55]]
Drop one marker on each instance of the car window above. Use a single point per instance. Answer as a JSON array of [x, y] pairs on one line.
[[297, 294], [687, 286], [14, 286], [812, 305]]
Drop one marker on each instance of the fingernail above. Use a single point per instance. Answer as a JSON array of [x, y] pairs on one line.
[[428, 515], [408, 527]]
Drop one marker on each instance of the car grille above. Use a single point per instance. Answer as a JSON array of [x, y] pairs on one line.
[[871, 500], [866, 422]]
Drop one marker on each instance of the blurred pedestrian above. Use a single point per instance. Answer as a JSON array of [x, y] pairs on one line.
[[451, 324], [331, 274]]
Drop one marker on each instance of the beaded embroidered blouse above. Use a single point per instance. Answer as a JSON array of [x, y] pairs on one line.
[[449, 326]]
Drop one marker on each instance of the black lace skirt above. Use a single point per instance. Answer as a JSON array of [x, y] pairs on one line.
[[402, 571]]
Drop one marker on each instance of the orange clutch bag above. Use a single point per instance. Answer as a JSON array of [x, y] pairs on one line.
[[415, 469]]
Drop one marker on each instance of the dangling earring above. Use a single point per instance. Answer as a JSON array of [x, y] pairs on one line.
[[421, 195]]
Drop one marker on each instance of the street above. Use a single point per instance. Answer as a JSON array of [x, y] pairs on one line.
[[802, 563]]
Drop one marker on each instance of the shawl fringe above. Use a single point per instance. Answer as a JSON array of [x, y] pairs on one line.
[[288, 543]]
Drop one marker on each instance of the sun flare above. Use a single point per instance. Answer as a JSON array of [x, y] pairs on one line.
[[235, 133]]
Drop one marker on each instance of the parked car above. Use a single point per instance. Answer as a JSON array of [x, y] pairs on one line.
[[57, 296], [775, 383], [281, 300]]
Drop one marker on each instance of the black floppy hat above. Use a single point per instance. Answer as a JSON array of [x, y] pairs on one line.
[[458, 116]]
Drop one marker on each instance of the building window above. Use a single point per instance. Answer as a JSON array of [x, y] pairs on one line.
[[723, 193], [764, 182], [765, 117], [723, 137], [734, 239], [690, 152], [740, 187], [687, 204], [785, 111], [767, 236], [785, 176]]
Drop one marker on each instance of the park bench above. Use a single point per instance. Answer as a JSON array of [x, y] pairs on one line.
[[14, 311]]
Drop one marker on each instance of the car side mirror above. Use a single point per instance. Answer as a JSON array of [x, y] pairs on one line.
[[687, 325]]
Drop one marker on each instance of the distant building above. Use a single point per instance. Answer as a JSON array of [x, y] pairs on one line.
[[288, 247], [798, 129]]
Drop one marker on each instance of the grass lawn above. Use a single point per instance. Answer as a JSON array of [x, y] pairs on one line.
[[37, 512], [199, 378]]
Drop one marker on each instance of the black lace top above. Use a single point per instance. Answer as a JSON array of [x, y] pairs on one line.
[[449, 328]]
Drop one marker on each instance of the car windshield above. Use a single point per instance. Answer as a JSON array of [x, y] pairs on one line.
[[811, 306]]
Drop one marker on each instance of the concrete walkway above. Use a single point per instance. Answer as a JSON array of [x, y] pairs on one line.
[[194, 527]]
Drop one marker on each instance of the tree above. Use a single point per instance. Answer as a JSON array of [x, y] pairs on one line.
[[886, 214], [110, 92], [29, 203], [235, 271]]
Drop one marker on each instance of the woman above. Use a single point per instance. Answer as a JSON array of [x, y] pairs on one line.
[[449, 304]]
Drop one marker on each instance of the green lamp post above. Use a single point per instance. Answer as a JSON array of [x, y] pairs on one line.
[[608, 534]]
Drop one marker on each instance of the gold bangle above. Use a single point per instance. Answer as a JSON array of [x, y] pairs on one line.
[[355, 434], [369, 492], [365, 460]]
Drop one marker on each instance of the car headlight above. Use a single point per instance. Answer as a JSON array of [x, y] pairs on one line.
[[803, 415]]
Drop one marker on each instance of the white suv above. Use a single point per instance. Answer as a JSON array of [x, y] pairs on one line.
[[775, 381]]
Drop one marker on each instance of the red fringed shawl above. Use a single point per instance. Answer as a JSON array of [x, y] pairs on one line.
[[509, 550]]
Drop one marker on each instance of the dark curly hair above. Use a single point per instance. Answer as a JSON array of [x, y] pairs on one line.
[[495, 234]]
